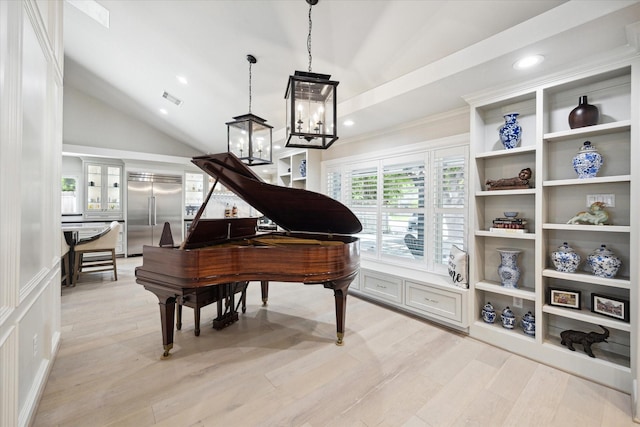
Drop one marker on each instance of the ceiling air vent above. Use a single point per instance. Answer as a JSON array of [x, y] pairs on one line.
[[172, 98]]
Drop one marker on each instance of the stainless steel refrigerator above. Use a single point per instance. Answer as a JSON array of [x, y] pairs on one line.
[[152, 200]]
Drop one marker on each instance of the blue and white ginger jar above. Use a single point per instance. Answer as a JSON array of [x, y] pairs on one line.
[[588, 161], [488, 313], [603, 262], [510, 132], [508, 318], [565, 259], [528, 323]]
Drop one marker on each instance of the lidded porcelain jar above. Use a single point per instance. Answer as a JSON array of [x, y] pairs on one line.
[[588, 161], [528, 324], [603, 262], [488, 313], [565, 259], [508, 318]]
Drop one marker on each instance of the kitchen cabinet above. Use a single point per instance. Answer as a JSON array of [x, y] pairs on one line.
[[103, 195], [194, 192]]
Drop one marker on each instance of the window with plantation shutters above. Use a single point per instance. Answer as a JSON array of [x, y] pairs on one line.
[[449, 206], [402, 210], [334, 184], [362, 198], [412, 207]]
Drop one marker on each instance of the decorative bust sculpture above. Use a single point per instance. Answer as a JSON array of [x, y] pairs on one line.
[[517, 182]]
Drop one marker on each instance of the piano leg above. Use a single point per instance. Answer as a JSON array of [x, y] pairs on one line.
[[167, 309], [340, 290], [264, 288], [178, 316]]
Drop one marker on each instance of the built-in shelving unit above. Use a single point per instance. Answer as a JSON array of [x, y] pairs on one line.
[[548, 146], [292, 174]]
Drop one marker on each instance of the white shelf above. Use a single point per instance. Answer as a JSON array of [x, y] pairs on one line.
[[586, 227], [609, 362], [603, 129], [506, 192], [597, 180], [497, 288], [623, 283], [587, 317], [504, 153], [507, 235], [497, 328]]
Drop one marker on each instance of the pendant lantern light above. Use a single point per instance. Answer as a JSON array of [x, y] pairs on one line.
[[311, 101], [249, 136]]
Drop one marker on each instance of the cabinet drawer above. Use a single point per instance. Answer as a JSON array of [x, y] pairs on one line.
[[439, 302], [384, 287]]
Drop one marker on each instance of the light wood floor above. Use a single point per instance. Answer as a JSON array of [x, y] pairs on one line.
[[279, 366]]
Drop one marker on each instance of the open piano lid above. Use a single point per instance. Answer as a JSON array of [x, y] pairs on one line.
[[293, 209]]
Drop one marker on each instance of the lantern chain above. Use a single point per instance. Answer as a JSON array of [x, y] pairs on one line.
[[309, 36], [250, 85]]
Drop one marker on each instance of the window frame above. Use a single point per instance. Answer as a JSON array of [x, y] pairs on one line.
[[429, 151]]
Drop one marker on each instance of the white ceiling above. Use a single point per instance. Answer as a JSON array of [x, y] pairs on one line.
[[397, 61]]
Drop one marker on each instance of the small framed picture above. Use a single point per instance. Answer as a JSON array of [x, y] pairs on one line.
[[617, 308], [565, 298]]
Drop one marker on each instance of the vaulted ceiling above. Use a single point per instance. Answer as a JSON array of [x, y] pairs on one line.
[[396, 60]]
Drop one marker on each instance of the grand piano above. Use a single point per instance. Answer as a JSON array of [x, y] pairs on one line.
[[218, 256]]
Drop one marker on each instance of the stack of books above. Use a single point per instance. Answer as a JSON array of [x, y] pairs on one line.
[[509, 225]]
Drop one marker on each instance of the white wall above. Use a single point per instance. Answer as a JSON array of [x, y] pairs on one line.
[[30, 157], [455, 122], [92, 123]]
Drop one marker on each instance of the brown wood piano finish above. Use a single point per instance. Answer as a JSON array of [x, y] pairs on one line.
[[223, 251]]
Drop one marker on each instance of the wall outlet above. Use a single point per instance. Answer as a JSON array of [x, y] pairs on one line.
[[608, 199], [517, 302]]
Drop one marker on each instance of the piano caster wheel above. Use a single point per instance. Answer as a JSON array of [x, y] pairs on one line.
[[340, 341], [264, 302], [166, 354]]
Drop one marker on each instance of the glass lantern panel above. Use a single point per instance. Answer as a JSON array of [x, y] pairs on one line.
[[261, 138], [239, 139]]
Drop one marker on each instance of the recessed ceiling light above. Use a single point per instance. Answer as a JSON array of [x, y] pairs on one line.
[[182, 79], [528, 62], [163, 111], [277, 147], [348, 123]]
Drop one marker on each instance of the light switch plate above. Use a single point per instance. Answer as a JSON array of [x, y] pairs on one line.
[[608, 199]]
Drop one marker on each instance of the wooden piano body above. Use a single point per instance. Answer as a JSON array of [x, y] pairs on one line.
[[223, 252]]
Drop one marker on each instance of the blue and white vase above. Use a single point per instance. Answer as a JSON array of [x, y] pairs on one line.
[[565, 259], [508, 318], [603, 262], [510, 132], [588, 161], [488, 313], [303, 168], [528, 323], [508, 269]]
